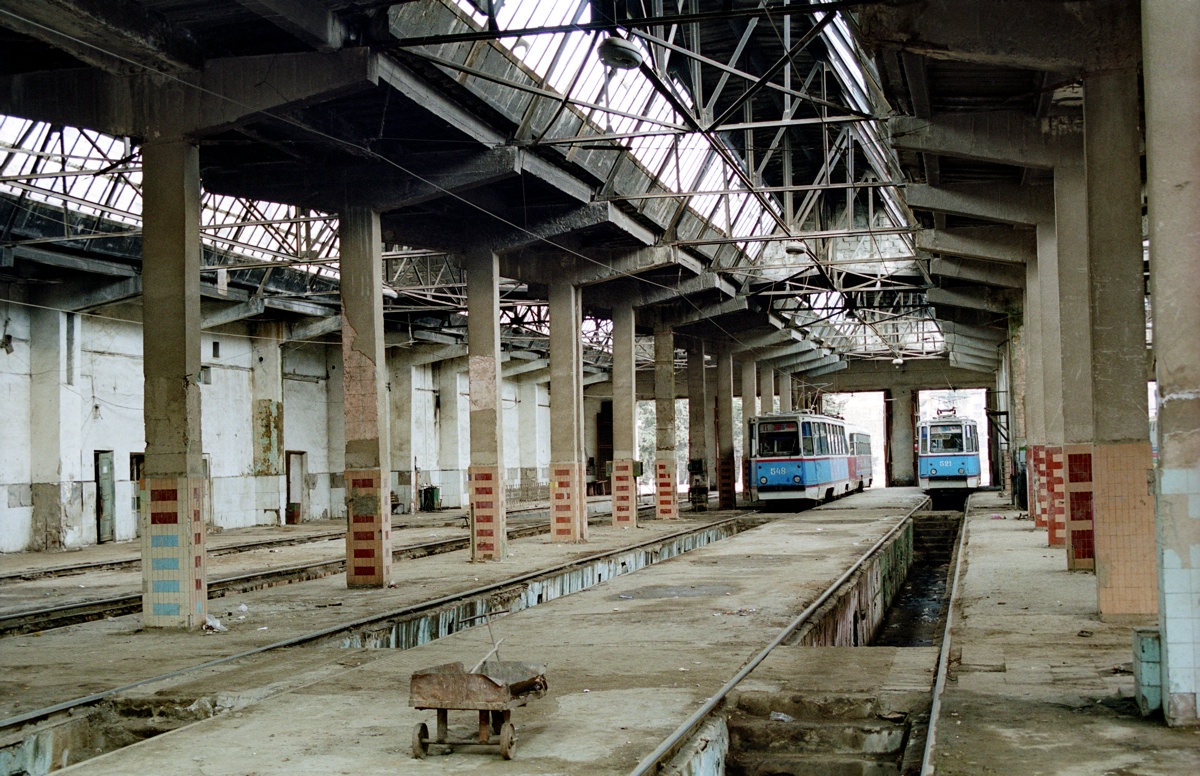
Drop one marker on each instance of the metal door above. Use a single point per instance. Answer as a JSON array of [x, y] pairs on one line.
[[105, 496]]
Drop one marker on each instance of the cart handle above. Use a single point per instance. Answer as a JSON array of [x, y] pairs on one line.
[[495, 648]]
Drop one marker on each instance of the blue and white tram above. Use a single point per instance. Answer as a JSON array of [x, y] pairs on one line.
[[807, 456], [947, 453]]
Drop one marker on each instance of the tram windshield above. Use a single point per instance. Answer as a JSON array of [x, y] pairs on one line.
[[778, 439], [942, 438]]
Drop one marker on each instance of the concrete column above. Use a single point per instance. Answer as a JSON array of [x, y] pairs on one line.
[[453, 429], [1109, 510], [749, 410], [900, 437], [266, 395], [1170, 40], [174, 495], [666, 489], [1069, 389], [1034, 404], [766, 388], [785, 391], [698, 423], [568, 493], [625, 443], [531, 427], [486, 488], [726, 466], [55, 409], [365, 402], [402, 399]]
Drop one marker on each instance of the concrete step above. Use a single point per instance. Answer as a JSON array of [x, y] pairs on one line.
[[756, 764], [871, 737], [808, 706]]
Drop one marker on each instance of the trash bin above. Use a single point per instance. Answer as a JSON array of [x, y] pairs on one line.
[[430, 499]]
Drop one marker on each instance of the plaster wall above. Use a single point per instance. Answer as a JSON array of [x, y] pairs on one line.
[[16, 495], [306, 423]]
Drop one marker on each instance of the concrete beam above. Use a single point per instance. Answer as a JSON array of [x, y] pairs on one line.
[[437, 337], [447, 233], [437, 102], [835, 366], [1100, 35], [976, 299], [972, 347], [314, 328], [106, 34], [224, 93], [787, 351], [67, 261], [971, 363], [801, 361], [978, 272], [983, 333], [769, 339], [1003, 202], [79, 296], [1004, 137], [648, 295], [708, 312], [816, 367], [379, 186], [543, 266], [520, 367], [300, 307], [421, 355], [989, 243], [233, 313], [309, 20]]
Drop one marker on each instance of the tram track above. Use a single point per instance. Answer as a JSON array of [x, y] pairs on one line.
[[695, 725], [46, 618], [410, 625]]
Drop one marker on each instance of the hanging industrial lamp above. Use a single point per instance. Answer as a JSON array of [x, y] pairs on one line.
[[619, 53]]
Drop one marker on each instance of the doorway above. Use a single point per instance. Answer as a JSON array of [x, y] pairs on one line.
[[106, 502], [297, 494], [965, 403]]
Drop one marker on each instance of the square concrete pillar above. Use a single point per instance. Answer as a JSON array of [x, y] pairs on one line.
[[766, 388], [568, 486], [749, 410], [486, 487], [266, 393], [1122, 512], [899, 411], [785, 392], [698, 450], [1170, 40], [365, 401], [625, 443], [665, 484], [174, 492], [726, 466]]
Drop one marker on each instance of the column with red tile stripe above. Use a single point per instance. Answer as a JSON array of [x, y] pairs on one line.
[[1056, 508], [174, 588], [666, 496], [624, 490], [368, 538], [1079, 503], [489, 535]]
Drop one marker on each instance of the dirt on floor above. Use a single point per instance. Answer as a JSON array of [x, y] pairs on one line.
[[1038, 683]]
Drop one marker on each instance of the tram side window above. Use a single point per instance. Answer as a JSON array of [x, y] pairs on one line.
[[808, 438], [972, 444], [924, 440], [822, 439]]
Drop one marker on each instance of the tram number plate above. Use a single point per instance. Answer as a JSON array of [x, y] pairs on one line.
[[777, 470]]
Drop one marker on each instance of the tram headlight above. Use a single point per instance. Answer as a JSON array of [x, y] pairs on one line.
[[762, 480], [933, 471], [962, 471], [796, 479]]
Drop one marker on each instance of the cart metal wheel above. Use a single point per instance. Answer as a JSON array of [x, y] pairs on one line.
[[508, 740], [420, 746]]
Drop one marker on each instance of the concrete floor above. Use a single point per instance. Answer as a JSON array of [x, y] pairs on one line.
[[1029, 691]]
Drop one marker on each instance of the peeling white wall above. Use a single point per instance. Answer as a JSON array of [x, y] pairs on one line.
[[16, 498]]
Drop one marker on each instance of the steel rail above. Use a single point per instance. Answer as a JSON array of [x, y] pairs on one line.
[[651, 761], [371, 619], [33, 620], [943, 667]]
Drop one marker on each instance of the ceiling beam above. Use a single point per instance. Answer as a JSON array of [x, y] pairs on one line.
[[976, 299], [1003, 137], [1100, 35], [1004, 276], [1006, 203], [309, 20], [988, 243]]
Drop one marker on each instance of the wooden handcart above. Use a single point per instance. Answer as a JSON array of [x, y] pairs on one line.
[[493, 688]]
